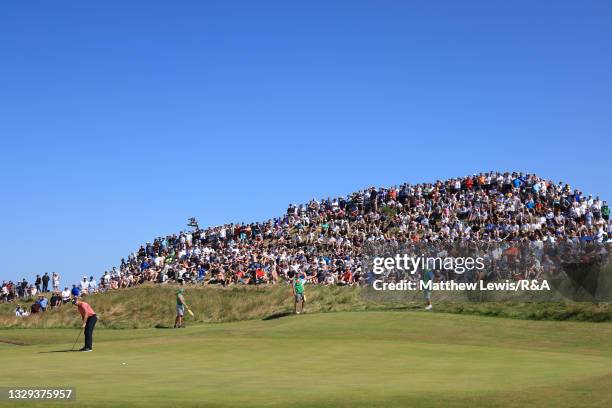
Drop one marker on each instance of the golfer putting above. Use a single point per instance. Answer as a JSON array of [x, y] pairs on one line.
[[180, 309], [89, 322], [297, 288]]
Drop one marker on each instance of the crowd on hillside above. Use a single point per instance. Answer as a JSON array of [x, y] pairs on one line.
[[322, 240], [36, 291]]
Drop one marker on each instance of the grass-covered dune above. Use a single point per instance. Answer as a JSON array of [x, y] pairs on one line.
[[150, 306]]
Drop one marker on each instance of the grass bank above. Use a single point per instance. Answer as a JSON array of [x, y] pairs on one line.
[[153, 306]]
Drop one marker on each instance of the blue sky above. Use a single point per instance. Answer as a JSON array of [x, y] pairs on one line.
[[119, 120]]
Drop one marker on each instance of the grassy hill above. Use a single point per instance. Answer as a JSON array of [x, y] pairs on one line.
[[153, 306]]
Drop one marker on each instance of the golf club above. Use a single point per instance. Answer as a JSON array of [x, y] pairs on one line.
[[77, 339]]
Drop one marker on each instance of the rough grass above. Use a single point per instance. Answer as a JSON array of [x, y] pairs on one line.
[[153, 306]]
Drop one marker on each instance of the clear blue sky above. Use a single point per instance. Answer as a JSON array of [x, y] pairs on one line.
[[121, 119]]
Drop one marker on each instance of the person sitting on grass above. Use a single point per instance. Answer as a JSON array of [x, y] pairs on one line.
[[65, 295], [260, 277], [43, 302], [19, 311], [180, 308], [346, 279], [35, 308], [56, 299]]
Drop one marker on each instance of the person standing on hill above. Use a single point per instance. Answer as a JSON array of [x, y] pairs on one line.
[[180, 308], [56, 281], [89, 322], [297, 288], [45, 282]]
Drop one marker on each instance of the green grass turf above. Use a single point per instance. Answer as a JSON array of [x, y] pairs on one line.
[[384, 359]]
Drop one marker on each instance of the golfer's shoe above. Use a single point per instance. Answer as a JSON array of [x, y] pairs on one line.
[[429, 307], [85, 350]]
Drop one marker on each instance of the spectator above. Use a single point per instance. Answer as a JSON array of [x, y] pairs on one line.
[[19, 311], [56, 281], [84, 285], [56, 299], [65, 295], [45, 282], [92, 285], [43, 302], [35, 308], [4, 292], [323, 239], [22, 288]]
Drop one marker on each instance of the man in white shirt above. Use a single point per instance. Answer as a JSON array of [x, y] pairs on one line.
[[84, 285], [19, 311], [66, 295], [56, 281], [5, 293], [107, 279]]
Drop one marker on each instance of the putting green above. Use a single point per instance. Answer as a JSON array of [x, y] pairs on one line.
[[386, 359]]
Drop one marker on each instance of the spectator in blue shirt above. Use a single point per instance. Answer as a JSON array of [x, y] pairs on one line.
[[201, 273], [43, 302]]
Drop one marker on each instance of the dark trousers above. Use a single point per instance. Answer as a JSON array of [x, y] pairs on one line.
[[89, 328]]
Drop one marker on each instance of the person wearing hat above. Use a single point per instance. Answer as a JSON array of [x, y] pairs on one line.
[[297, 288], [89, 322], [43, 302], [84, 285], [180, 308], [19, 311]]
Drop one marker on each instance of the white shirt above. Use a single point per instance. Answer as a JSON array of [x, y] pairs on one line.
[[65, 294]]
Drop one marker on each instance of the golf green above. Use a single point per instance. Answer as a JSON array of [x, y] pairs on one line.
[[385, 359]]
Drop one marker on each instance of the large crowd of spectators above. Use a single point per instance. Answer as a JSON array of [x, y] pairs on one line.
[[323, 239]]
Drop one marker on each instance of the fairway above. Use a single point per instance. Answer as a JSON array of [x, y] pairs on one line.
[[386, 359]]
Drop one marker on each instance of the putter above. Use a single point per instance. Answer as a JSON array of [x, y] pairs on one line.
[[77, 339]]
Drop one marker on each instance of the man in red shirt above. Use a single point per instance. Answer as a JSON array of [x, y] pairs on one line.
[[89, 322]]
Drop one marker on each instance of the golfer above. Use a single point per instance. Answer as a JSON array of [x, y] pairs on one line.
[[298, 293], [180, 308], [89, 322]]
